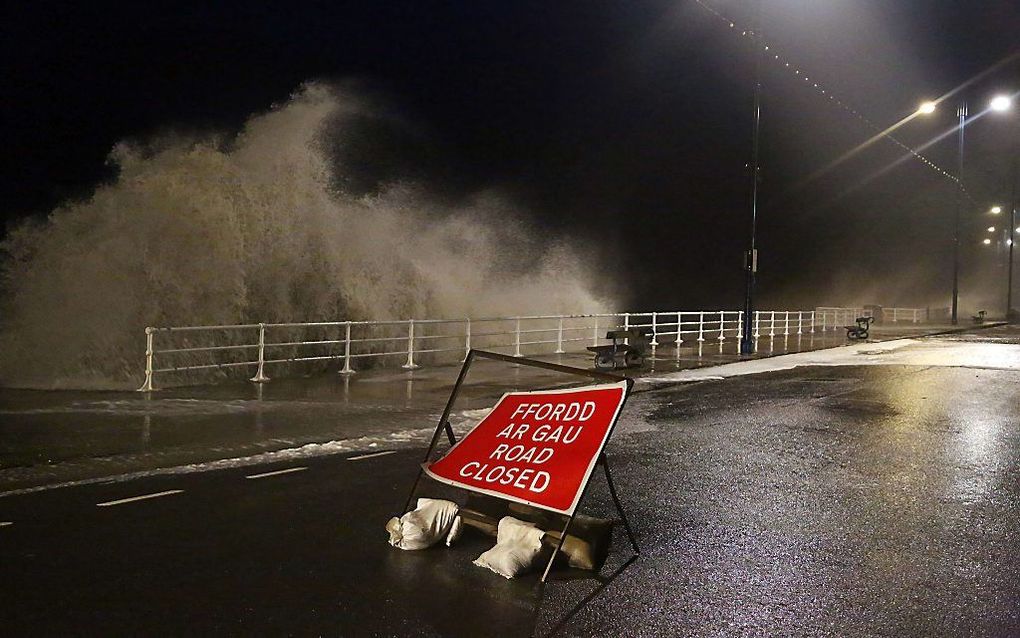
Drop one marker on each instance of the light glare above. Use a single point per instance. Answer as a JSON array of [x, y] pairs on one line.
[[996, 210], [987, 241], [926, 108], [991, 229], [1000, 103]]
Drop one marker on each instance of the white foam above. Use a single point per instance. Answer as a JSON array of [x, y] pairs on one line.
[[916, 352], [461, 422]]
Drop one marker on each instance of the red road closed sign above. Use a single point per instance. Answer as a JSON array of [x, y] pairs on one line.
[[537, 448]]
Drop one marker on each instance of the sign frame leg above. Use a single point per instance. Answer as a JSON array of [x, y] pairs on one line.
[[616, 501], [444, 424]]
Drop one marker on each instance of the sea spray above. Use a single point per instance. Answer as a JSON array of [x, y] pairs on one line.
[[249, 228]]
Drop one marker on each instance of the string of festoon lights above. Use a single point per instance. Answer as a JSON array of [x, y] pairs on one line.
[[798, 73]]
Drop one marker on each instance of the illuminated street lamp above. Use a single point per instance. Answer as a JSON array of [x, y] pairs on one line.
[[991, 229], [999, 103], [1002, 103], [986, 241], [996, 210]]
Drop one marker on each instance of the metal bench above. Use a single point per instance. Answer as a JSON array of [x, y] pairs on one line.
[[627, 350], [860, 329]]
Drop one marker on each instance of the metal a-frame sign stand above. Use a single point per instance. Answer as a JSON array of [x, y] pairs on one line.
[[444, 425]]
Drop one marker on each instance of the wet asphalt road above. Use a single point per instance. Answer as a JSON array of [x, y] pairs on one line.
[[843, 501]]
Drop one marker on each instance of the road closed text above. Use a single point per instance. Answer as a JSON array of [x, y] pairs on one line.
[[535, 447], [529, 479]]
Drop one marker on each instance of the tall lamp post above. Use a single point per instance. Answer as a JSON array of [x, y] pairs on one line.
[[1012, 240], [751, 259], [999, 103], [1003, 103], [961, 112]]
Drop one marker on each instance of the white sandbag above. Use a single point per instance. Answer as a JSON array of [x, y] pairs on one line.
[[424, 526], [455, 531], [517, 546]]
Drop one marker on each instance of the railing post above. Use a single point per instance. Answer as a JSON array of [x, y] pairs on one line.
[[260, 375], [812, 322], [517, 338], [626, 326], [915, 315], [410, 346], [740, 323], [147, 384], [701, 326], [800, 322], [772, 323], [786, 323], [757, 323], [679, 329], [722, 325], [655, 330], [559, 337], [347, 369], [467, 338]]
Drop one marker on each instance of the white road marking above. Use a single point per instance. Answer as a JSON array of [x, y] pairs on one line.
[[5, 523], [276, 473], [372, 455], [138, 498]]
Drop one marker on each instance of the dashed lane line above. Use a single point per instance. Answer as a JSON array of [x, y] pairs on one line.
[[276, 473], [370, 456], [138, 498]]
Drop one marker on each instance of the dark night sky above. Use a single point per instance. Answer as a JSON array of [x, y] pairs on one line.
[[629, 118]]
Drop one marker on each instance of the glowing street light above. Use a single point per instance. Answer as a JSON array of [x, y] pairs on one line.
[[986, 242], [996, 210], [991, 229], [1001, 103]]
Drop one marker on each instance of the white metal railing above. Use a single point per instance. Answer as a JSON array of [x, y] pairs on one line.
[[261, 344], [835, 318], [895, 315]]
